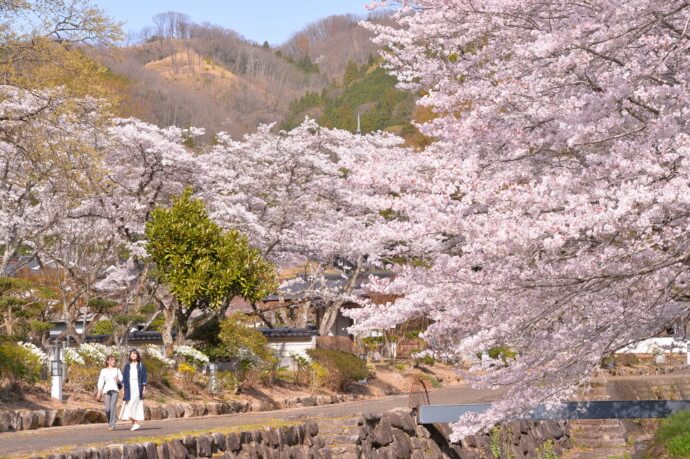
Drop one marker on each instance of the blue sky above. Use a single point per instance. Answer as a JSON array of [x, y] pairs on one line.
[[257, 20]]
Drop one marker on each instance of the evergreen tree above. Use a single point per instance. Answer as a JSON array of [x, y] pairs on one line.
[[203, 266], [351, 73]]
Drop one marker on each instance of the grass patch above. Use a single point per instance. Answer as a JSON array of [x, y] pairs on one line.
[[401, 366], [674, 435]]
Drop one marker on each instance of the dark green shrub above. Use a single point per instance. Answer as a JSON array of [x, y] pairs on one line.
[[103, 327], [240, 340], [227, 381], [158, 373], [502, 352], [17, 365], [83, 377], [343, 368], [158, 324], [428, 360]]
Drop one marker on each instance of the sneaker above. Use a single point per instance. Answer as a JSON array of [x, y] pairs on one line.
[[135, 427], [111, 428]]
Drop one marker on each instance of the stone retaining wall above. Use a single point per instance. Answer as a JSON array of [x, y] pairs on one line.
[[36, 419], [668, 387], [299, 442], [396, 434], [389, 435]]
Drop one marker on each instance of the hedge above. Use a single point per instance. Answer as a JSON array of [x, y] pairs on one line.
[[343, 368]]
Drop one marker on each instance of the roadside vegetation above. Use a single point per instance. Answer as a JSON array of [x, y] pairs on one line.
[[672, 439]]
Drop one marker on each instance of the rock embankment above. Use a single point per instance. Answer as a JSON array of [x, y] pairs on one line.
[[396, 434], [299, 441], [389, 435], [12, 421]]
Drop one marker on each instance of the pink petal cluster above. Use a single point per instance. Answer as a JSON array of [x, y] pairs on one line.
[[554, 204]]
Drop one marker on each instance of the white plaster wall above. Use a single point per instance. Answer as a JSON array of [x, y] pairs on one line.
[[662, 344], [286, 348]]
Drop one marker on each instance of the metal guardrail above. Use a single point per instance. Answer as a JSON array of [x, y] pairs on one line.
[[608, 409]]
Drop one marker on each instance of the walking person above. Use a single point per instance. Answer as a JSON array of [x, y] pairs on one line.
[[109, 384], [135, 390]]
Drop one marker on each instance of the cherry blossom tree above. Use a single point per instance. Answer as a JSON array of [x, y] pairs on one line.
[[77, 189], [43, 162], [288, 192], [145, 167], [552, 208]]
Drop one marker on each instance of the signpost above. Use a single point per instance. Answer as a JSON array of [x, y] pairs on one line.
[[213, 377]]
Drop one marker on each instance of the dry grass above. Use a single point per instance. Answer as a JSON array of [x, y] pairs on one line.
[[189, 67]]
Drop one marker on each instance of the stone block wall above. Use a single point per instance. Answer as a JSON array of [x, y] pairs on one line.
[[667, 387], [300, 441], [396, 435], [12, 421]]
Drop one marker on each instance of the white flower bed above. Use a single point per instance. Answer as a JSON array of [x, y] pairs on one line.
[[71, 356], [158, 354], [191, 355], [96, 352], [93, 352], [42, 356]]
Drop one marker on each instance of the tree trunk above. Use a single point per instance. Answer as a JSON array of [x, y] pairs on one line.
[[9, 320], [330, 315], [10, 249], [305, 309], [169, 316], [260, 314]]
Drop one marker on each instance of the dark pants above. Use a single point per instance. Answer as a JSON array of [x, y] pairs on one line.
[[110, 403]]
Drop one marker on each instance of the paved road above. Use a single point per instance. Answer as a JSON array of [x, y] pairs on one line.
[[25, 442]]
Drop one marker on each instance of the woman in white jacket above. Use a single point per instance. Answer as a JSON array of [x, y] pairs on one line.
[[109, 383]]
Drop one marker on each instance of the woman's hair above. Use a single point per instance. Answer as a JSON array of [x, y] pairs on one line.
[[107, 359], [129, 356]]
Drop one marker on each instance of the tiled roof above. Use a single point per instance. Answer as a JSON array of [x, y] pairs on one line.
[[288, 332], [296, 288], [134, 336]]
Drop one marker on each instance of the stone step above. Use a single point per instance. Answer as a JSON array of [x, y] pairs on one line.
[[576, 426], [595, 422], [597, 438], [601, 453], [597, 435], [598, 432], [340, 437], [594, 443]]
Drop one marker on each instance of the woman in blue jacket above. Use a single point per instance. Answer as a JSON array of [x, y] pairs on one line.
[[134, 381]]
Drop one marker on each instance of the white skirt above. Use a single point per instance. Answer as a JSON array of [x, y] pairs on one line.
[[134, 408]]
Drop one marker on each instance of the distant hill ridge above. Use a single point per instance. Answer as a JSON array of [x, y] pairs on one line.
[[187, 74]]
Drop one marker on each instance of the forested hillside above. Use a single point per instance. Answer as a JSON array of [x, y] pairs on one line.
[[186, 74], [367, 91]]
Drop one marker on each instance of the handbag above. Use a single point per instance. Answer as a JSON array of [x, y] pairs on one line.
[[119, 385]]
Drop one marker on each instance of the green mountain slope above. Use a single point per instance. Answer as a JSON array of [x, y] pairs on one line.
[[368, 91]]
